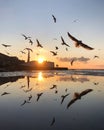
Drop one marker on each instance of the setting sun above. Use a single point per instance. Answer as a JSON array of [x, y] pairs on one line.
[[41, 59]]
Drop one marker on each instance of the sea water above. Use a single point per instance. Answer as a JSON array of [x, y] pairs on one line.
[[49, 112]]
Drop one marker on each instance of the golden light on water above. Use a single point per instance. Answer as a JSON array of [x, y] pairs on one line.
[[40, 76]]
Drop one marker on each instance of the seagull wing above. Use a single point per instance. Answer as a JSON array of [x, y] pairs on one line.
[[86, 46], [72, 38]]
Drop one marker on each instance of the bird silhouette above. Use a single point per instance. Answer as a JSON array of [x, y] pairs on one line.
[[96, 57], [54, 18], [72, 61], [54, 53], [5, 93], [78, 96], [54, 86], [29, 49], [30, 41], [38, 96], [23, 52], [79, 43], [56, 48], [63, 97], [53, 121], [25, 37], [63, 42], [38, 44], [5, 45]]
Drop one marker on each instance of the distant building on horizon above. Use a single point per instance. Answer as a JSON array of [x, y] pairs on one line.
[[12, 63]]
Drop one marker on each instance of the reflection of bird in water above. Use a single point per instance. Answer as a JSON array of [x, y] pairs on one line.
[[23, 86], [66, 90], [66, 49], [63, 97], [96, 83], [79, 43], [24, 102], [30, 97], [23, 52], [54, 18], [27, 90], [30, 41], [54, 86], [39, 95], [96, 57], [5, 45], [78, 96], [63, 42], [53, 121], [56, 48], [38, 44], [5, 93], [54, 53], [25, 37]]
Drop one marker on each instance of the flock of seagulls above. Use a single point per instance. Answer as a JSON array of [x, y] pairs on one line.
[[78, 43]]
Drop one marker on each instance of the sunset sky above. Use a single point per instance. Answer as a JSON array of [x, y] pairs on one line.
[[84, 19]]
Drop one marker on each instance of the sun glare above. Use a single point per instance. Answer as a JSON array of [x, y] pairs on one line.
[[40, 60]]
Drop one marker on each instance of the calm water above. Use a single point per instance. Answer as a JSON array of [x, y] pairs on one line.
[[33, 100]]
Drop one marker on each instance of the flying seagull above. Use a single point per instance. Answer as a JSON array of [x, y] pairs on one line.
[[38, 44], [30, 41], [29, 49], [22, 52], [25, 37], [54, 18], [96, 57], [63, 42], [79, 43], [5, 45], [72, 61], [56, 48], [54, 53]]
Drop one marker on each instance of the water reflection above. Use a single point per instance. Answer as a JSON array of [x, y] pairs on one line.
[[39, 100], [40, 76]]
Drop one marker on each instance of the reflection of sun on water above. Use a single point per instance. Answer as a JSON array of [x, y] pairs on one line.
[[40, 76]]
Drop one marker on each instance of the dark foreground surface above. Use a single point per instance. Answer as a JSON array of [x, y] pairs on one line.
[[44, 100]]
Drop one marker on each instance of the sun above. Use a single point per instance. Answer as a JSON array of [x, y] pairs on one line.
[[40, 60]]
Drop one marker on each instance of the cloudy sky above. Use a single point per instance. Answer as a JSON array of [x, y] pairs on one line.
[[84, 19]]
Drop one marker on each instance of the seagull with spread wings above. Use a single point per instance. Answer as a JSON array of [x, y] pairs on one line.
[[5, 45], [29, 49], [63, 42], [38, 44], [54, 53], [79, 43], [25, 37]]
